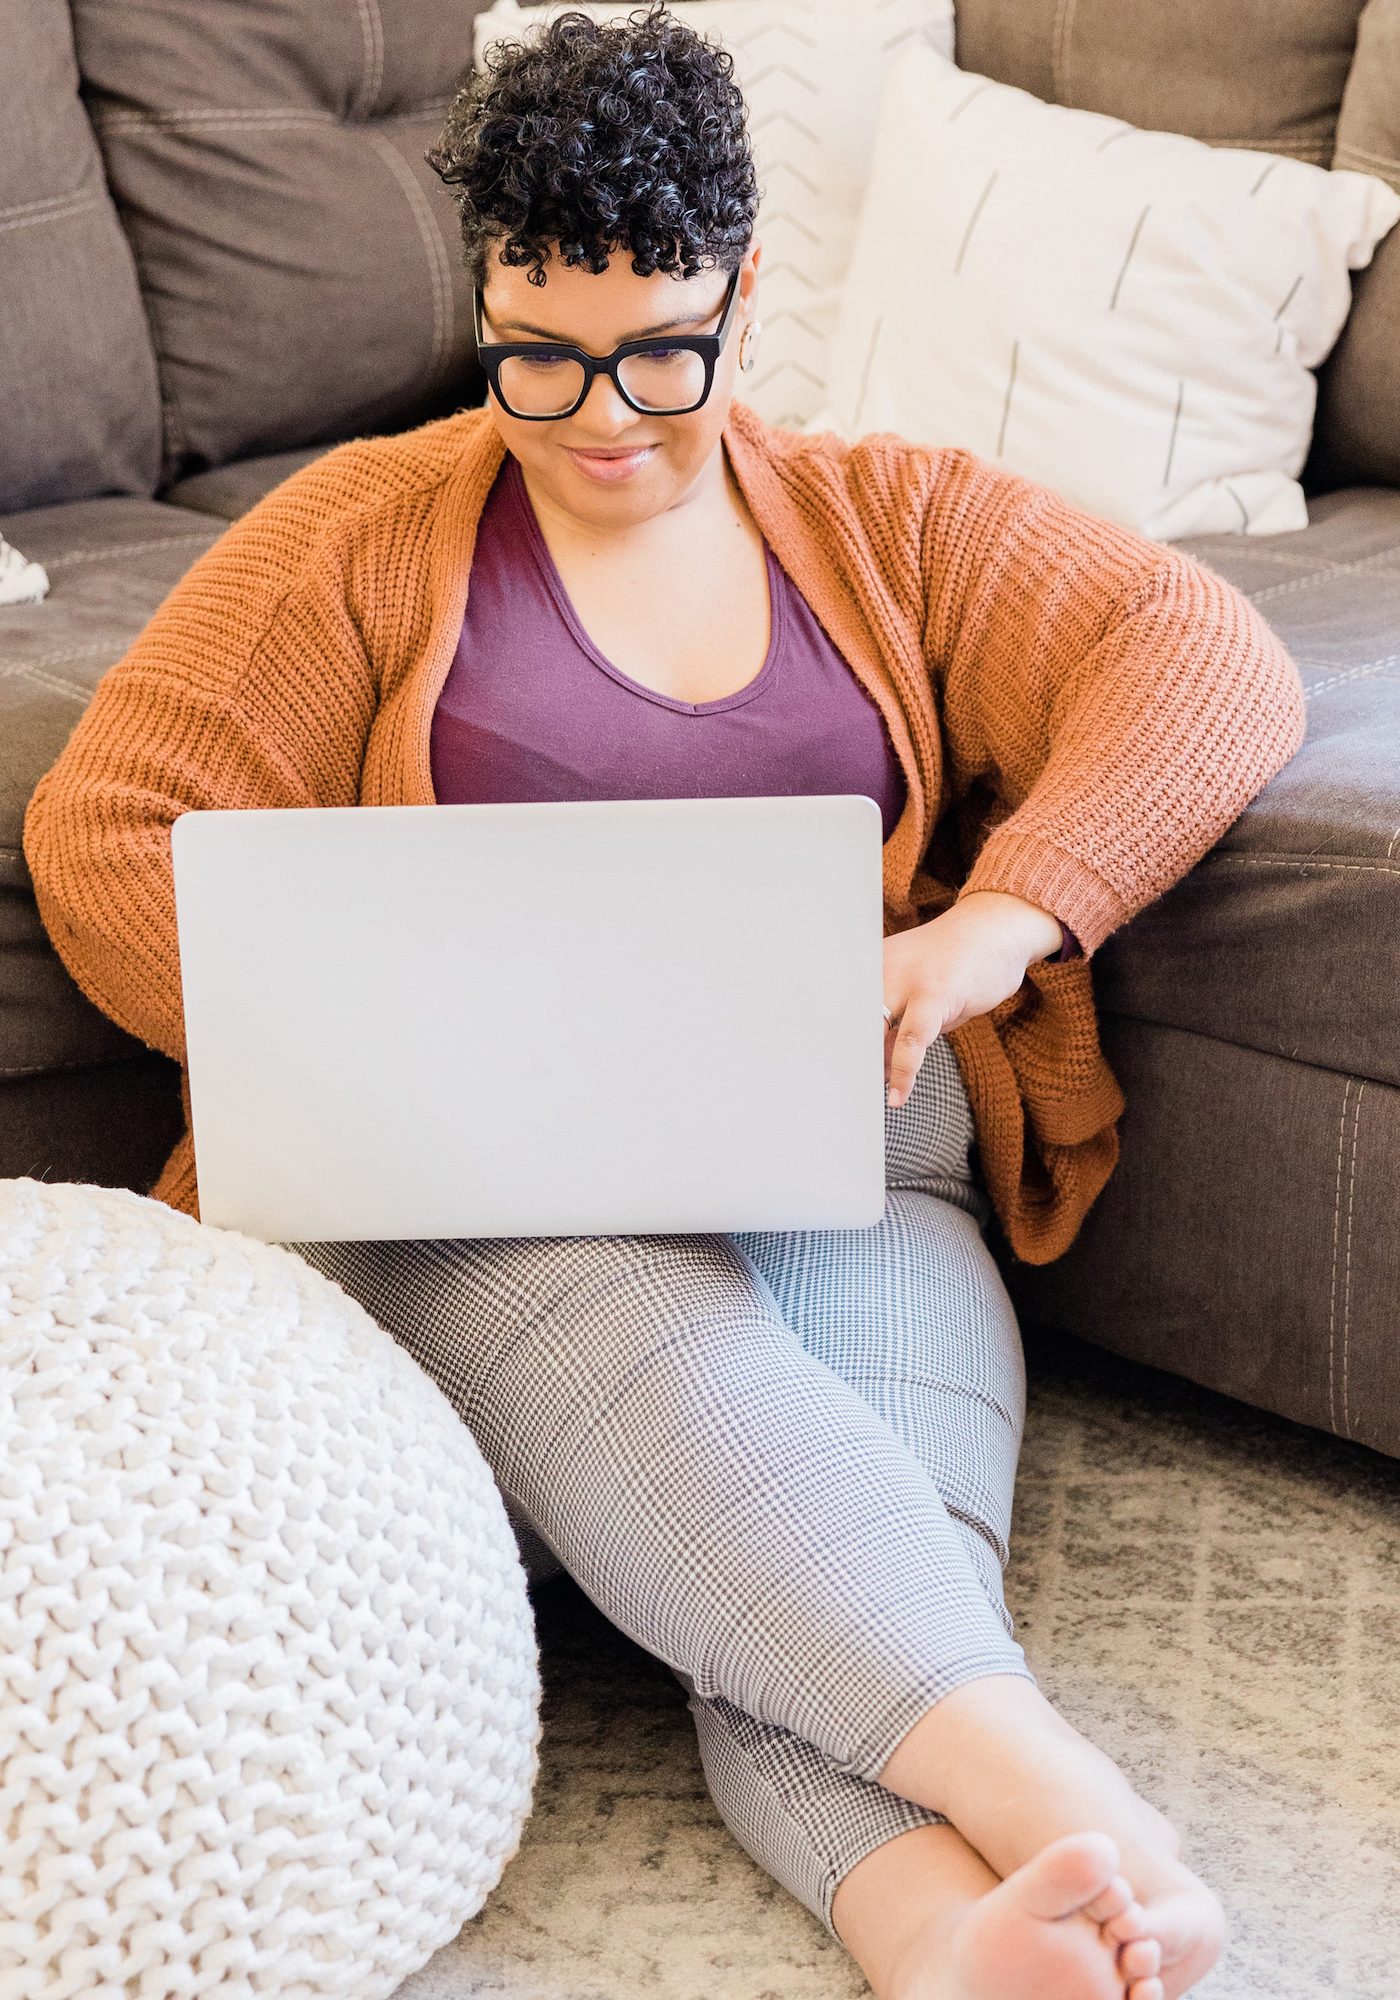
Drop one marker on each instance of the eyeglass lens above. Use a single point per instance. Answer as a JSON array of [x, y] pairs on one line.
[[671, 379]]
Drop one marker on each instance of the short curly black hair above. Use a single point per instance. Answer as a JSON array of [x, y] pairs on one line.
[[597, 136]]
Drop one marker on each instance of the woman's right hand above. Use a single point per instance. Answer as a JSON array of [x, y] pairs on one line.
[[965, 962]]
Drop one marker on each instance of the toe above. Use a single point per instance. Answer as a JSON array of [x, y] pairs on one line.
[[1140, 1960], [1186, 1923], [1112, 1901], [1146, 1989], [1132, 1922]]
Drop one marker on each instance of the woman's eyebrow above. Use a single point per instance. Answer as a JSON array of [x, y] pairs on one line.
[[563, 339]]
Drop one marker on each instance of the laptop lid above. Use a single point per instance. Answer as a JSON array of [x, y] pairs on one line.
[[534, 1019]]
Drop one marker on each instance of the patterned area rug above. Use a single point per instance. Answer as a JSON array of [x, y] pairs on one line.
[[1210, 1593]]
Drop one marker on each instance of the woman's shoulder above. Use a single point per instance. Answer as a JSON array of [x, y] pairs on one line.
[[316, 541], [361, 475], [357, 500], [885, 481]]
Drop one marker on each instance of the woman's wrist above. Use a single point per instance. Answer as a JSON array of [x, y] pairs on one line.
[[1039, 932]]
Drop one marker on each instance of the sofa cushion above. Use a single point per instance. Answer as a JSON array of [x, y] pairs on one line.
[[1245, 1239], [1359, 389], [110, 563], [1282, 938], [1234, 76], [299, 259], [230, 490], [1268, 77], [77, 370]]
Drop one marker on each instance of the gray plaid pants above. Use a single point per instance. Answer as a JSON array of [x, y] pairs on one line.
[[781, 1461]]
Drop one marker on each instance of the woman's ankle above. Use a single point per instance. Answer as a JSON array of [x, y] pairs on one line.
[[903, 1894], [1005, 1768], [987, 1711]]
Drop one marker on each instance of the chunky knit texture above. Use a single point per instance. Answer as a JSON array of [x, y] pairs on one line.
[[1080, 714], [269, 1707]]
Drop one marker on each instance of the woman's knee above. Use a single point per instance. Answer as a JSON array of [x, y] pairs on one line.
[[917, 1297], [525, 1333], [914, 1315], [589, 1331]]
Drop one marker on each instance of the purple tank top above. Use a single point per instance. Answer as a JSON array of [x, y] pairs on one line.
[[531, 710]]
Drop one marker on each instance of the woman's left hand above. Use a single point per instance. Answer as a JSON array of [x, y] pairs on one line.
[[965, 962]]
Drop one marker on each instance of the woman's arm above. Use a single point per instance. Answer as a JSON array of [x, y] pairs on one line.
[[1114, 704], [212, 706]]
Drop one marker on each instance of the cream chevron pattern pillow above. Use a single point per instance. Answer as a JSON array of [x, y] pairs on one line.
[[1129, 317], [811, 72]]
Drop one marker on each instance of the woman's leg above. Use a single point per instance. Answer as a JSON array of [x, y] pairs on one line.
[[997, 1758], [914, 1315], [623, 1390], [705, 1480], [721, 1495]]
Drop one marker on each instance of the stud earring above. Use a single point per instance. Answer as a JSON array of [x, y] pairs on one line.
[[746, 344]]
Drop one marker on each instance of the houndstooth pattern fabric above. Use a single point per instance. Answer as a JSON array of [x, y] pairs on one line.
[[782, 1461], [269, 1682]]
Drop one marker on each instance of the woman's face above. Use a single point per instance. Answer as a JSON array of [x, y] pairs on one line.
[[608, 465]]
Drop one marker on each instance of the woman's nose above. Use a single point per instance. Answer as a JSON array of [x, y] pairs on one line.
[[604, 412]]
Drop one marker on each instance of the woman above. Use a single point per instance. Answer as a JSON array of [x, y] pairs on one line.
[[783, 1461]]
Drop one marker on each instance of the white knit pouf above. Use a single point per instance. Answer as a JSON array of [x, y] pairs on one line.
[[269, 1684]]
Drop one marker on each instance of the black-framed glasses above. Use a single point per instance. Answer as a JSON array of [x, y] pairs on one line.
[[665, 375]]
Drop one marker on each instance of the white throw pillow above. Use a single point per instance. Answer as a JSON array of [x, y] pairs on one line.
[[1129, 317], [811, 73]]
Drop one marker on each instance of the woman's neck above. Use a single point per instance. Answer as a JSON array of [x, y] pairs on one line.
[[711, 506]]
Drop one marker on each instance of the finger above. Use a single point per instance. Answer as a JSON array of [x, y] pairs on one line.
[[909, 1052]]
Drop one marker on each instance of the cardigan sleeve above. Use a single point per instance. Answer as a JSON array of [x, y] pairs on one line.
[[1110, 704], [245, 689]]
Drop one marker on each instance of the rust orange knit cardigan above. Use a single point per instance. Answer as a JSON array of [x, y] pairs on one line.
[[1080, 713]]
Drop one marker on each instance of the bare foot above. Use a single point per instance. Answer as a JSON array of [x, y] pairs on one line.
[[1063, 1927], [1014, 1777]]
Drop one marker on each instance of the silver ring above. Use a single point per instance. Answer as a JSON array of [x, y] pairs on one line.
[[886, 1012]]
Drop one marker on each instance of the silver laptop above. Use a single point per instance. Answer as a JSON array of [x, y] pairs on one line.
[[535, 1019]]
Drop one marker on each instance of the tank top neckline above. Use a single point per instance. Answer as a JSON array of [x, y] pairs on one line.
[[554, 583]]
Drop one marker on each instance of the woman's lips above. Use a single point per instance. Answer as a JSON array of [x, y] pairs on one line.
[[610, 466]]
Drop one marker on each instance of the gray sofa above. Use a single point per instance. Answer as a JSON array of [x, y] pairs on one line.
[[220, 252]]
